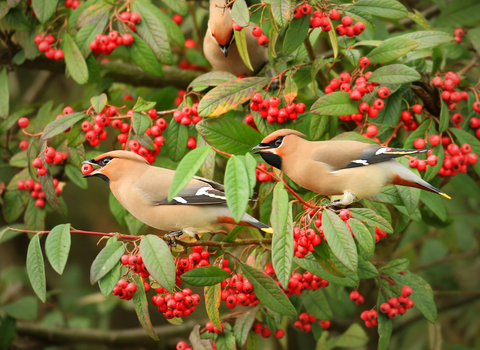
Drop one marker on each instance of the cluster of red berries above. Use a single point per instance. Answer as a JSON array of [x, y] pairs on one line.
[[262, 39], [187, 115], [346, 27], [125, 290], [458, 36], [212, 329], [197, 258], [130, 19], [298, 283], [475, 124], [268, 108], [305, 241], [379, 234], [179, 304], [304, 322], [106, 44], [24, 122], [35, 190], [51, 157], [181, 345], [179, 99], [397, 306], [238, 291], [44, 43], [261, 176], [73, 4], [370, 317], [357, 298], [266, 332], [449, 95]]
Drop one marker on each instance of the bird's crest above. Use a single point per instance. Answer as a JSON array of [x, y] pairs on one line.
[[122, 155], [281, 133]]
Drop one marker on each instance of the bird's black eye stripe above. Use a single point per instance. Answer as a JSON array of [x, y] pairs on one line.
[[104, 161], [277, 142]]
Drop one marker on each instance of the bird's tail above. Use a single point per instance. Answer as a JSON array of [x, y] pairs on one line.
[[247, 220]]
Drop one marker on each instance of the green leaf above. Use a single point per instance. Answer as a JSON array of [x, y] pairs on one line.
[[99, 102], [460, 13], [34, 217], [418, 18], [225, 341], [384, 326], [282, 240], [106, 260], [372, 219], [363, 236], [205, 276], [141, 307], [176, 140], [240, 13], [322, 256], [187, 168], [243, 325], [474, 35], [435, 203], [110, 280], [422, 294], [444, 117], [77, 67], [318, 126], [172, 29], [281, 11], [268, 292], [90, 12], [464, 137], [290, 91], [4, 95], [252, 341], [366, 269], [213, 79], [76, 136], [236, 187], [76, 176], [158, 260], [134, 225], [354, 336], [22, 309], [228, 135], [310, 264], [333, 40], [395, 266], [335, 104], [390, 113], [340, 239], [14, 204], [353, 56], [16, 19], [418, 133], [392, 49], [143, 55], [57, 247], [140, 123], [88, 32], [60, 125], [383, 8], [393, 74], [295, 35], [433, 170], [143, 106], [13, 118], [153, 32], [36, 268], [179, 6], [118, 211], [317, 305], [251, 166], [360, 16], [229, 95], [212, 303], [429, 38]]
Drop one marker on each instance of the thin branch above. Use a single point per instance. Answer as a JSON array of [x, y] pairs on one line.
[[469, 66]]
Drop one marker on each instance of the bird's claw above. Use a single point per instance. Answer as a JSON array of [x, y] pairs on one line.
[[172, 236]]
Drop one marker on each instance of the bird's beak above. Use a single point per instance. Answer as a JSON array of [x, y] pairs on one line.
[[94, 172], [261, 148], [224, 48]]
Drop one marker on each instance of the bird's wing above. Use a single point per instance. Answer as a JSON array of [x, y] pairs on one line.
[[340, 155]]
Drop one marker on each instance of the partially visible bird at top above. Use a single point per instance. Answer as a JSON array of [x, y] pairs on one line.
[[143, 190], [220, 48], [354, 170]]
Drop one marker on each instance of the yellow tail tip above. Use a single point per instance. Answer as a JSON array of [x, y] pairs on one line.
[[444, 195], [268, 230]]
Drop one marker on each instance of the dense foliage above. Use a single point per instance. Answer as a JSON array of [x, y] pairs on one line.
[[388, 72]]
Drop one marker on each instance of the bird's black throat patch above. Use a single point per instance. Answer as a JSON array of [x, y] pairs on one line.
[[272, 159]]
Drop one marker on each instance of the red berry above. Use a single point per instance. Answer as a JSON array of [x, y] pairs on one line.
[[347, 20], [385, 308], [266, 332], [432, 160], [364, 62], [23, 122], [384, 92], [262, 40], [306, 9], [127, 39], [87, 169], [257, 328], [236, 26], [280, 333], [135, 17], [257, 31], [23, 145], [372, 131], [354, 295], [334, 15], [406, 291], [435, 140], [419, 143], [177, 19]]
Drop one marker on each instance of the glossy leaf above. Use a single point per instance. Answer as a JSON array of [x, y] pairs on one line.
[[205, 276], [335, 104], [229, 95], [57, 247], [144, 57], [281, 11], [237, 188], [366, 269], [243, 325], [213, 79], [310, 264], [390, 113], [77, 67], [268, 292], [158, 260], [340, 239], [444, 116], [212, 303], [240, 13], [88, 32], [141, 307], [429, 38], [176, 140], [318, 126], [140, 123], [333, 40], [370, 218], [395, 266], [225, 341], [295, 35], [383, 8], [61, 124], [358, 15], [317, 305], [362, 235], [353, 56], [282, 240], [241, 41], [432, 171], [393, 74], [392, 49], [99, 102], [109, 281], [106, 260], [36, 268], [187, 168], [228, 135]]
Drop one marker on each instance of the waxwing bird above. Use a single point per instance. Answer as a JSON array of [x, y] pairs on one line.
[[353, 169], [220, 48], [143, 190]]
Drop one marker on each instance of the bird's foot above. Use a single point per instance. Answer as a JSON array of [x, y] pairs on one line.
[[333, 204], [172, 236]]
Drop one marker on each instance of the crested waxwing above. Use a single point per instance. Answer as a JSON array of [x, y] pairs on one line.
[[353, 169], [143, 190], [220, 48]]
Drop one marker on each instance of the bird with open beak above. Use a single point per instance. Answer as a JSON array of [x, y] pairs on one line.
[[220, 48], [143, 190], [351, 169]]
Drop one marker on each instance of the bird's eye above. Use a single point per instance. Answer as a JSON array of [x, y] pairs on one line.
[[106, 161], [278, 142]]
